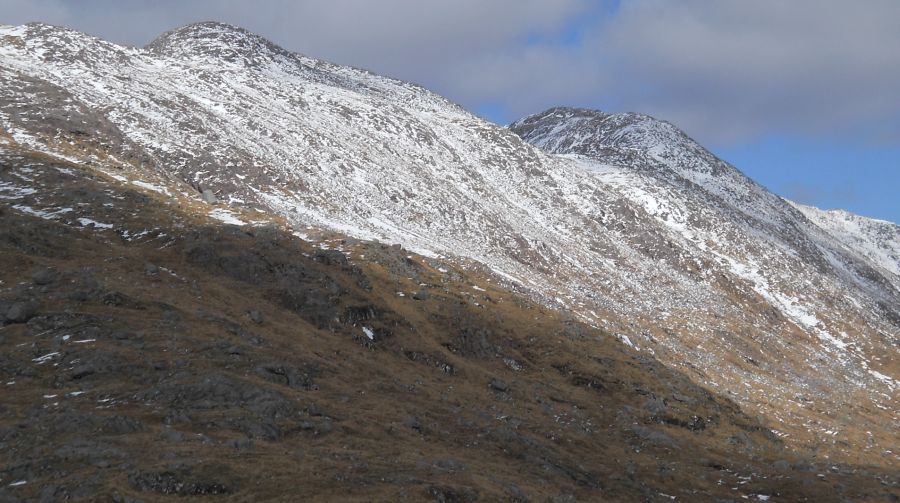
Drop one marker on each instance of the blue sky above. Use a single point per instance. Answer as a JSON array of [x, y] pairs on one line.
[[801, 95], [862, 178]]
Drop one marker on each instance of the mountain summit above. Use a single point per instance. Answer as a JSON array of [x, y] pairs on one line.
[[619, 221], [221, 41]]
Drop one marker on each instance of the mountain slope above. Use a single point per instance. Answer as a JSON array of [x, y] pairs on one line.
[[876, 240], [165, 353], [624, 222]]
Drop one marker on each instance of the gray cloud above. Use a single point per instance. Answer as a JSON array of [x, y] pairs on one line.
[[401, 36], [730, 69], [725, 71], [449, 47]]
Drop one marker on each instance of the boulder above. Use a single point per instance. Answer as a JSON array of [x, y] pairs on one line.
[[44, 277], [499, 385], [20, 312], [208, 196], [255, 316]]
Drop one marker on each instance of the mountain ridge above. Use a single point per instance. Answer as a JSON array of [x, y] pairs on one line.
[[660, 244]]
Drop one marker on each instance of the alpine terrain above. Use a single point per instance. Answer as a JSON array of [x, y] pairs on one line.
[[236, 271]]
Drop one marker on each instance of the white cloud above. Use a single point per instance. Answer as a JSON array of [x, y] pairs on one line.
[[725, 71]]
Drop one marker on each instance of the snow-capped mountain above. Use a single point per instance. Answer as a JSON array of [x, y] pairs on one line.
[[622, 220], [876, 240]]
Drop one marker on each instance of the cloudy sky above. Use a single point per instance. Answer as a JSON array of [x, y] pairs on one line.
[[802, 95]]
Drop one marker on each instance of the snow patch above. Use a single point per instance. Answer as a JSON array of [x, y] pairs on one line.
[[85, 222], [226, 216], [150, 186]]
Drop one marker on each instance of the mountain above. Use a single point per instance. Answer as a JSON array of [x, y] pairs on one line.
[[621, 222]]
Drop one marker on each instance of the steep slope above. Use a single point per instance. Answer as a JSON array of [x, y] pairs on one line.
[[629, 225], [876, 240], [712, 210], [149, 351]]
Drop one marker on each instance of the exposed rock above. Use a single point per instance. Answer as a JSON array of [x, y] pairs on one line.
[[181, 484], [656, 407], [220, 392], [412, 422], [20, 312], [499, 385], [44, 277], [331, 257], [447, 494], [242, 444], [209, 197], [654, 437], [287, 375], [82, 371], [255, 316], [782, 466]]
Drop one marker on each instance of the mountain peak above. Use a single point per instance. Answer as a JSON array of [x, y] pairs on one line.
[[51, 43], [212, 39], [202, 29], [597, 135], [564, 130], [40, 31]]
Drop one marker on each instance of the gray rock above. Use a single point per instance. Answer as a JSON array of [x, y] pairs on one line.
[[654, 437], [330, 257], [516, 495], [117, 498], [173, 436], [265, 430], [499, 385], [44, 277], [446, 494], [118, 425], [242, 444], [151, 269], [287, 375], [683, 398], [20, 312], [782, 466], [209, 197], [255, 316], [182, 484], [81, 371], [90, 451], [218, 391], [475, 341], [448, 465], [412, 422], [51, 493], [422, 294], [656, 407], [177, 417]]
